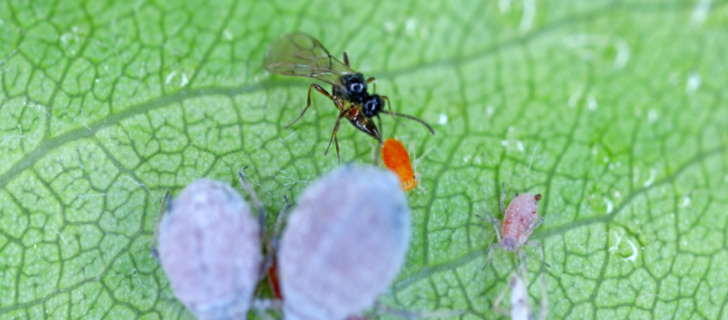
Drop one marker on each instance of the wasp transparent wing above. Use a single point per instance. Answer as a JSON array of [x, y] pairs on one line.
[[298, 54]]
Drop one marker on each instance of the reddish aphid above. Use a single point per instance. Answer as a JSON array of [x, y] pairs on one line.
[[519, 220], [275, 283], [397, 159]]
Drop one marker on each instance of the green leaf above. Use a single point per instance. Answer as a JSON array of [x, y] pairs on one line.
[[614, 111]]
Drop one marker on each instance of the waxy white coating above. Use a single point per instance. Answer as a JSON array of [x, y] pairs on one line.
[[209, 246], [344, 243], [520, 308]]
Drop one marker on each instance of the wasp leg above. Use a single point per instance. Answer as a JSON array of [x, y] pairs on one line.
[[154, 250], [308, 103], [370, 80], [333, 134], [379, 141], [346, 59], [389, 106]]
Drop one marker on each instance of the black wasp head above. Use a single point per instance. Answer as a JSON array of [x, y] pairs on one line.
[[356, 87], [372, 105]]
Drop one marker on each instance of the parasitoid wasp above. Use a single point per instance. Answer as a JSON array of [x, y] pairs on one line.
[[299, 54]]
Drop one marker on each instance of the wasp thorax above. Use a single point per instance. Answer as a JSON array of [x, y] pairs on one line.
[[356, 87]]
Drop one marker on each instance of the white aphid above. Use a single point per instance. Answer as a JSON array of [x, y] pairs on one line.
[[344, 243], [209, 246], [520, 307]]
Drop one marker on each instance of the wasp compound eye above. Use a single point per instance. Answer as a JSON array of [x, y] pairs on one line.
[[209, 247], [339, 252]]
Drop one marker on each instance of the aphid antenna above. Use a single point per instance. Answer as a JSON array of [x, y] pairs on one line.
[[256, 202], [544, 308], [411, 118], [279, 222], [416, 161], [272, 241], [162, 209]]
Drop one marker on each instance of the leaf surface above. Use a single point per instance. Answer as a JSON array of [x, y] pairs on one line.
[[614, 111]]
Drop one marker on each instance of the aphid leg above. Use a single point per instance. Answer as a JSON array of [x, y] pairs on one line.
[[256, 202], [415, 162], [490, 253], [503, 198], [540, 251], [406, 314], [537, 223], [497, 227], [346, 59], [279, 223], [496, 303], [274, 238], [308, 103], [496, 224], [544, 308], [162, 209]]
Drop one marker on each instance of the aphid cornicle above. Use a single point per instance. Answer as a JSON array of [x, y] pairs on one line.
[[343, 244], [208, 244], [298, 54], [519, 220]]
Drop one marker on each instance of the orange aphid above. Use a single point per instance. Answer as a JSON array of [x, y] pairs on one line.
[[397, 159]]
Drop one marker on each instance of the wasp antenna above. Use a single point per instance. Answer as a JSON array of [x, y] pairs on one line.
[[346, 59], [411, 118]]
